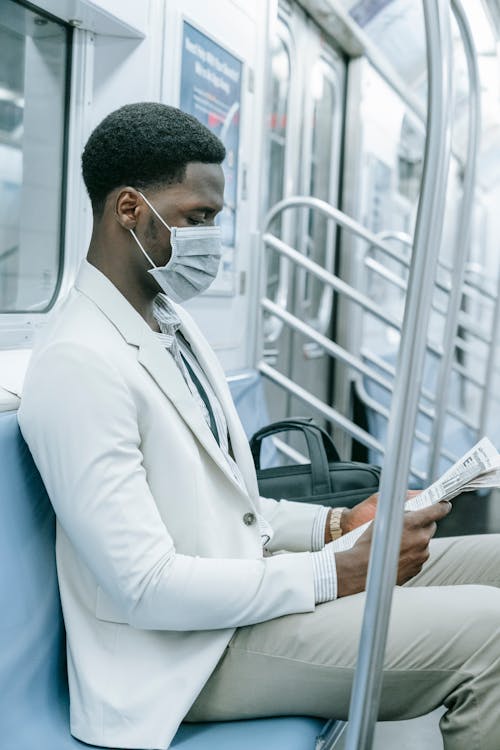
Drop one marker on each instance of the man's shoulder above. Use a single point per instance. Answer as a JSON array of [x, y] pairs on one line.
[[76, 322], [78, 338], [79, 348]]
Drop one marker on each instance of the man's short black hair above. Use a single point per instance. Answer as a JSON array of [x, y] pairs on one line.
[[145, 145]]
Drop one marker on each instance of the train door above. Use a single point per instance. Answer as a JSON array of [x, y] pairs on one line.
[[306, 112]]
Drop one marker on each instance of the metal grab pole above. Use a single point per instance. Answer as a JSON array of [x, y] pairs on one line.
[[389, 520], [490, 365], [463, 237]]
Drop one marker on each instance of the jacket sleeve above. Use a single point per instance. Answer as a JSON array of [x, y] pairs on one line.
[[80, 422], [291, 522]]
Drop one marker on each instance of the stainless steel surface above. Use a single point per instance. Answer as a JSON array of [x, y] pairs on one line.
[[333, 732], [325, 343], [320, 407], [490, 367], [358, 298], [427, 395], [388, 524], [463, 233], [469, 285], [329, 278], [461, 319], [289, 452], [352, 294], [334, 213]]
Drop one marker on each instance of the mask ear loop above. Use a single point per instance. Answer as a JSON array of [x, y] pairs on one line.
[[153, 209], [136, 238]]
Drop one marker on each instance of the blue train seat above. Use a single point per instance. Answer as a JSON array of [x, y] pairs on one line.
[[247, 390], [33, 683]]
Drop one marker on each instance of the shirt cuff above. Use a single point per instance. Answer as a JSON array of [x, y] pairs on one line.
[[325, 575], [319, 529]]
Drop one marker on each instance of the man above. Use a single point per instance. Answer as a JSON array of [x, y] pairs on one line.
[[171, 607]]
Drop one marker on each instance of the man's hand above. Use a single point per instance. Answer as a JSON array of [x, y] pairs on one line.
[[418, 529], [361, 513]]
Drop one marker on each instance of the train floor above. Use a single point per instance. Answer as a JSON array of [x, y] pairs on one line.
[[415, 734]]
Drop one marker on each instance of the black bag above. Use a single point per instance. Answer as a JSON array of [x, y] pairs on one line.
[[326, 480]]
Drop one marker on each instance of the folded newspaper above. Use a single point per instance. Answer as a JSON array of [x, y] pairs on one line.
[[477, 469]]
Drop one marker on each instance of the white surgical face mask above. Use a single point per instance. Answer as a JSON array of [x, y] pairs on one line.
[[194, 262]]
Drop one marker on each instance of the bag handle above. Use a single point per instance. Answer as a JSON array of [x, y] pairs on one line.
[[320, 447]]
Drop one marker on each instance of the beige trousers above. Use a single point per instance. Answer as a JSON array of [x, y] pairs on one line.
[[443, 649]]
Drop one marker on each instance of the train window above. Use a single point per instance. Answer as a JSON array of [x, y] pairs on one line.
[[280, 87], [34, 54]]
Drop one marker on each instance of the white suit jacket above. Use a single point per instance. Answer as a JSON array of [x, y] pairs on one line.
[[156, 564]]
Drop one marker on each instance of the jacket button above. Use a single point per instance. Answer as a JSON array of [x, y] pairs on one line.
[[249, 519]]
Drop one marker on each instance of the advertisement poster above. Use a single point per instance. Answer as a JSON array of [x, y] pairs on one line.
[[211, 91]]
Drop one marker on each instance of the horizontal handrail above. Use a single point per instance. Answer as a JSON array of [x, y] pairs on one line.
[[327, 344], [290, 452], [375, 406], [428, 395], [327, 411], [328, 278], [465, 320], [333, 349], [324, 409], [352, 361], [490, 369], [338, 216], [405, 239], [352, 294], [478, 292]]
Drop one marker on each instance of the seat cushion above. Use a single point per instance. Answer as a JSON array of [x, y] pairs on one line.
[[247, 390], [33, 682], [34, 704], [282, 733]]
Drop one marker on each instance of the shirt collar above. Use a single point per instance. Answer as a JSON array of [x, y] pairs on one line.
[[166, 317]]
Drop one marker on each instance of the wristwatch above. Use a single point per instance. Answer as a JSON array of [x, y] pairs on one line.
[[335, 530]]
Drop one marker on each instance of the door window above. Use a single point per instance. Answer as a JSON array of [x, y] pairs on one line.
[[321, 233], [280, 88]]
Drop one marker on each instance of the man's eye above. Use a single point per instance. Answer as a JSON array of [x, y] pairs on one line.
[[194, 222]]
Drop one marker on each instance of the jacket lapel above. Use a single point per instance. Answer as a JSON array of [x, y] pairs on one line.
[[217, 379], [152, 356], [165, 372]]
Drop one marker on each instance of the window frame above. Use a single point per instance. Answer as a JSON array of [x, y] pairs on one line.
[[17, 328]]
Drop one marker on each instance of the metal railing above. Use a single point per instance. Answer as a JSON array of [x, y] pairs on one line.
[[388, 524], [279, 311], [426, 272], [458, 285]]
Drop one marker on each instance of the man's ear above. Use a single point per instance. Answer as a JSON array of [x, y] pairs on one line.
[[128, 205]]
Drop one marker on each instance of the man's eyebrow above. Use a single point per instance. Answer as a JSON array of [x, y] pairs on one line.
[[207, 209]]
